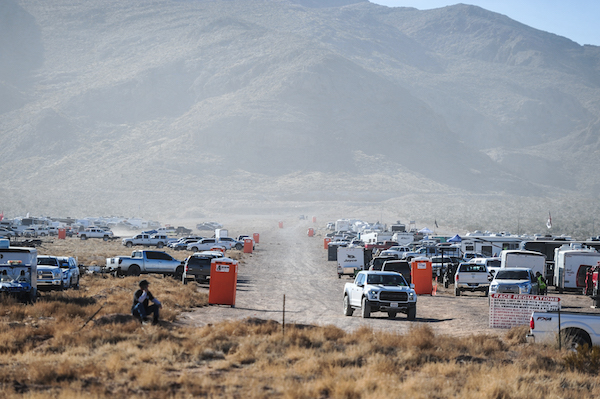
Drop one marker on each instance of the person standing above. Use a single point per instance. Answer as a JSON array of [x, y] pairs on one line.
[[542, 286], [141, 307]]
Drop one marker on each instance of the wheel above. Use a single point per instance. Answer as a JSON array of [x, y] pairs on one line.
[[446, 282], [105, 238], [178, 273], [365, 308], [32, 297], [347, 308], [83, 237], [392, 315], [195, 249], [134, 270], [76, 286], [184, 280], [159, 245], [485, 293], [456, 291], [116, 273], [574, 339], [412, 313], [339, 276], [239, 246], [129, 244]]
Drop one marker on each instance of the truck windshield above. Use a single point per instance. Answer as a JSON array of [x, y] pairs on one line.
[[512, 275], [47, 261], [386, 279]]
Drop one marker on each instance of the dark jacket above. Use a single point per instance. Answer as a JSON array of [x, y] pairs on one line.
[[137, 296]]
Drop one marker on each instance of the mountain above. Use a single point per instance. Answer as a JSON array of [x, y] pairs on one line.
[[111, 106]]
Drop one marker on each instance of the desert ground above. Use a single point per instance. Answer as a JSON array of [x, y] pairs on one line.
[[286, 262]]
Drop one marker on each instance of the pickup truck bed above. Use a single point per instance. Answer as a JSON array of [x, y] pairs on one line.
[[576, 328]]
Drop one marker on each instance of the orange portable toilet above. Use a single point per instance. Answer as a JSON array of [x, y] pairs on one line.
[[223, 281], [256, 237], [62, 234], [421, 273], [314, 219], [326, 242], [311, 232], [248, 244], [281, 225]]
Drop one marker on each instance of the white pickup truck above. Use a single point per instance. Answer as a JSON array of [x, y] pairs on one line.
[[471, 277], [157, 240], [377, 291], [575, 328], [145, 261], [94, 232]]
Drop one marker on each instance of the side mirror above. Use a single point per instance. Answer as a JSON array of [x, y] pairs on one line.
[[412, 286], [360, 285]]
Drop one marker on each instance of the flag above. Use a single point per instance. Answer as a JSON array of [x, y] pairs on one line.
[[549, 222], [436, 225], [1, 215]]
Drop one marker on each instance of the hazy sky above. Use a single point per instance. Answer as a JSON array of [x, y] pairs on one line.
[[574, 19]]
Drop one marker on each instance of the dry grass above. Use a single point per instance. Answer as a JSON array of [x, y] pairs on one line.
[[47, 354]]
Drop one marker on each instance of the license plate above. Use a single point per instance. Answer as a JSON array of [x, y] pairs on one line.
[[394, 304]]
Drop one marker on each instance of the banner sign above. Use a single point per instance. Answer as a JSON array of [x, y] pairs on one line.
[[511, 310]]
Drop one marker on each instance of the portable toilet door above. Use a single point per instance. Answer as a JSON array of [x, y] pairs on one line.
[[422, 275]]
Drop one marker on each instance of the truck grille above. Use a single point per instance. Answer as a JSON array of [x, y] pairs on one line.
[[45, 275], [508, 289], [393, 296]]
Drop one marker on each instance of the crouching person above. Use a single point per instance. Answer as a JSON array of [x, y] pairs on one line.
[[141, 308]]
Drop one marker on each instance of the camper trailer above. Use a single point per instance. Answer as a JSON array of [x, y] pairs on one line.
[[489, 244], [523, 259], [571, 266]]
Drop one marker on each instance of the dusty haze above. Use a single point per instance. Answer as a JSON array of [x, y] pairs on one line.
[[194, 109]]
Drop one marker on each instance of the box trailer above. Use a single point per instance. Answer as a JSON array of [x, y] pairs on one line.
[[528, 259], [350, 260], [571, 267]]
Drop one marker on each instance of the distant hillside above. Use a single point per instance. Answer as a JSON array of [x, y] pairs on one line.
[[105, 99]]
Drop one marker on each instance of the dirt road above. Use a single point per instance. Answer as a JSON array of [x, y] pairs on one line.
[[288, 262]]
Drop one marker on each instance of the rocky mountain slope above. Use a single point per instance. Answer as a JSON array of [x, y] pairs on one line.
[[130, 104]]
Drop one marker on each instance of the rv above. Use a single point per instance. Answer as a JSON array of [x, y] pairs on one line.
[[489, 244], [350, 260], [572, 265]]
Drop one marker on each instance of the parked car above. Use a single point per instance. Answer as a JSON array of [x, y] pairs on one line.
[[145, 261], [183, 242], [398, 266], [50, 275], [208, 226], [516, 280], [29, 232], [4, 232], [471, 277], [70, 270], [197, 266]]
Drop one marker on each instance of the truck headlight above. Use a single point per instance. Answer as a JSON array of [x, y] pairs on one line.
[[525, 288], [411, 296], [56, 273], [493, 287], [372, 294]]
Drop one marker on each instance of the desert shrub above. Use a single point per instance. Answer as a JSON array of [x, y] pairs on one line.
[[584, 359]]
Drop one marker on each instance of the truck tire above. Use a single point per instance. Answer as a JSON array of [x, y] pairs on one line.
[[32, 296], [485, 293], [412, 313], [239, 246], [160, 245], [456, 291], [347, 308], [76, 286], [134, 270], [178, 273], [194, 249], [365, 308], [83, 237], [129, 244], [574, 338], [105, 238]]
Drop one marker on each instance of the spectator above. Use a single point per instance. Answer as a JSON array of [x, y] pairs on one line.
[[141, 300]]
